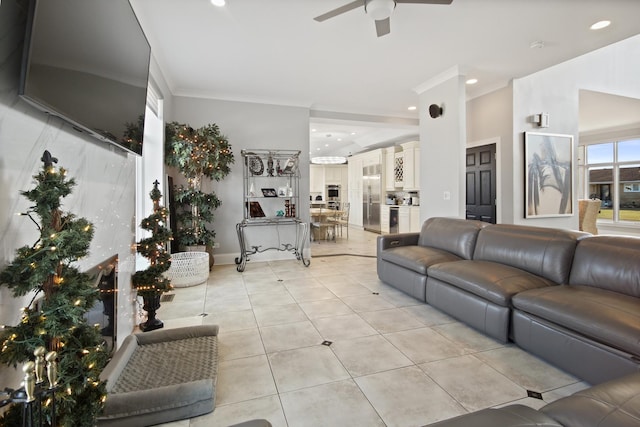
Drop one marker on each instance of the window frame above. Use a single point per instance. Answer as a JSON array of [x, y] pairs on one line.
[[585, 167]]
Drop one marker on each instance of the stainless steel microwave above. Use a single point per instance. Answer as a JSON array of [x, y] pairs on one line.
[[333, 192]]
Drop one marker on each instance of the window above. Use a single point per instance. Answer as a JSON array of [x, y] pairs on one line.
[[632, 188], [613, 176]]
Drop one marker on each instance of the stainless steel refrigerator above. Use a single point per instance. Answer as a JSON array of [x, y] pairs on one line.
[[371, 197]]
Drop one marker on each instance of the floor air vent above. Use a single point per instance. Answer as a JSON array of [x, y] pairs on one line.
[[167, 297]]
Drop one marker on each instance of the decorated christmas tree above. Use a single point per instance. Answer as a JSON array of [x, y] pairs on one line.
[[150, 283], [61, 296]]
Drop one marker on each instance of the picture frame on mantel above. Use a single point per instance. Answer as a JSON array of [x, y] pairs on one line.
[[548, 175]]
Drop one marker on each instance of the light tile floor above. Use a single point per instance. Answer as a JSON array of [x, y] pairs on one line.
[[393, 360]]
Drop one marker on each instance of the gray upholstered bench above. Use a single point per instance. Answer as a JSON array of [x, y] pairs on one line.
[[161, 376]]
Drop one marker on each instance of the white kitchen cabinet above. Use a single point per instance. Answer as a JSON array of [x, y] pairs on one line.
[[384, 218], [416, 169], [414, 219], [411, 166], [316, 180], [333, 174], [408, 182], [389, 167], [404, 219]]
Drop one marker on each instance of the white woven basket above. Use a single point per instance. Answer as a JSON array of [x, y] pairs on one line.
[[188, 269]]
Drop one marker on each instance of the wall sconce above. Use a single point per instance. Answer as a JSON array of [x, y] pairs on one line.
[[435, 111], [541, 120]]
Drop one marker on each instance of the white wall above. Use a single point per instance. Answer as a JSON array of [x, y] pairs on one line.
[[104, 193], [249, 126], [613, 69], [442, 150]]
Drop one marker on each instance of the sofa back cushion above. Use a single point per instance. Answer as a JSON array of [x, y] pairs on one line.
[[454, 235], [546, 252], [608, 262]]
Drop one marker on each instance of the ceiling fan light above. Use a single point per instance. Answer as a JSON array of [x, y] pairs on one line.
[[379, 10]]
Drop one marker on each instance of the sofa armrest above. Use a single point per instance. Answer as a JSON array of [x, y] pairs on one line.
[[396, 240], [507, 416], [135, 403], [118, 362], [612, 403]]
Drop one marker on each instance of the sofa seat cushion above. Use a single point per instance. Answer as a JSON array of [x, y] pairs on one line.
[[614, 403], [417, 258], [492, 281], [154, 365], [603, 316]]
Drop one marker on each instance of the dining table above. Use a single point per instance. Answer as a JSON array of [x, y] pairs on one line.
[[323, 225]]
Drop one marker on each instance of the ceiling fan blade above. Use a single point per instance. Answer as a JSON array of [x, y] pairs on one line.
[[342, 9], [383, 27], [425, 1]]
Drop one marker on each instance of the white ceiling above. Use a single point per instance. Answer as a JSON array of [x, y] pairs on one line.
[[272, 51]]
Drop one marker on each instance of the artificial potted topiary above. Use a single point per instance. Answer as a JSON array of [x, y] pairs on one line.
[[199, 154], [151, 282]]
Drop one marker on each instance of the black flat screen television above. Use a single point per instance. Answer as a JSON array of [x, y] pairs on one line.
[[87, 61]]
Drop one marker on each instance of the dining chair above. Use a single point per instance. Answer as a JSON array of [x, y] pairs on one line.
[[324, 225], [342, 219], [588, 210]]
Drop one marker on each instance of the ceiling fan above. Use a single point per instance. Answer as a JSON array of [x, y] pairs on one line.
[[379, 10]]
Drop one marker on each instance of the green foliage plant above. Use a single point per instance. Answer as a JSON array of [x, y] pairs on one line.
[[202, 153]]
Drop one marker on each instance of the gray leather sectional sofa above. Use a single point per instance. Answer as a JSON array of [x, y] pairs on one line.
[[615, 403], [565, 296]]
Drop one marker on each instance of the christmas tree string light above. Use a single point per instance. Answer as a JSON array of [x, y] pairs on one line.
[[57, 322]]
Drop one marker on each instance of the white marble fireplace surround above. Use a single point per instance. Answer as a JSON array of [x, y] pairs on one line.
[[104, 191]]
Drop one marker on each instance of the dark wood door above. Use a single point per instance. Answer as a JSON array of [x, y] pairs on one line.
[[481, 183]]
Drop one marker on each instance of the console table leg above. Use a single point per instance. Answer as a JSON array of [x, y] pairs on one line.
[[242, 260]]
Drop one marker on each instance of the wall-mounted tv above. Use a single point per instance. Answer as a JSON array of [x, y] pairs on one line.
[[87, 61]]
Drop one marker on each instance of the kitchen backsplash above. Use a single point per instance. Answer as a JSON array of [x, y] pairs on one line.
[[402, 197]]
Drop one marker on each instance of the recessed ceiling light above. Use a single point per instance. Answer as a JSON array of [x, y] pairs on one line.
[[600, 25], [411, 108], [353, 133], [218, 3], [472, 81], [313, 130], [339, 139], [326, 145], [318, 149]]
